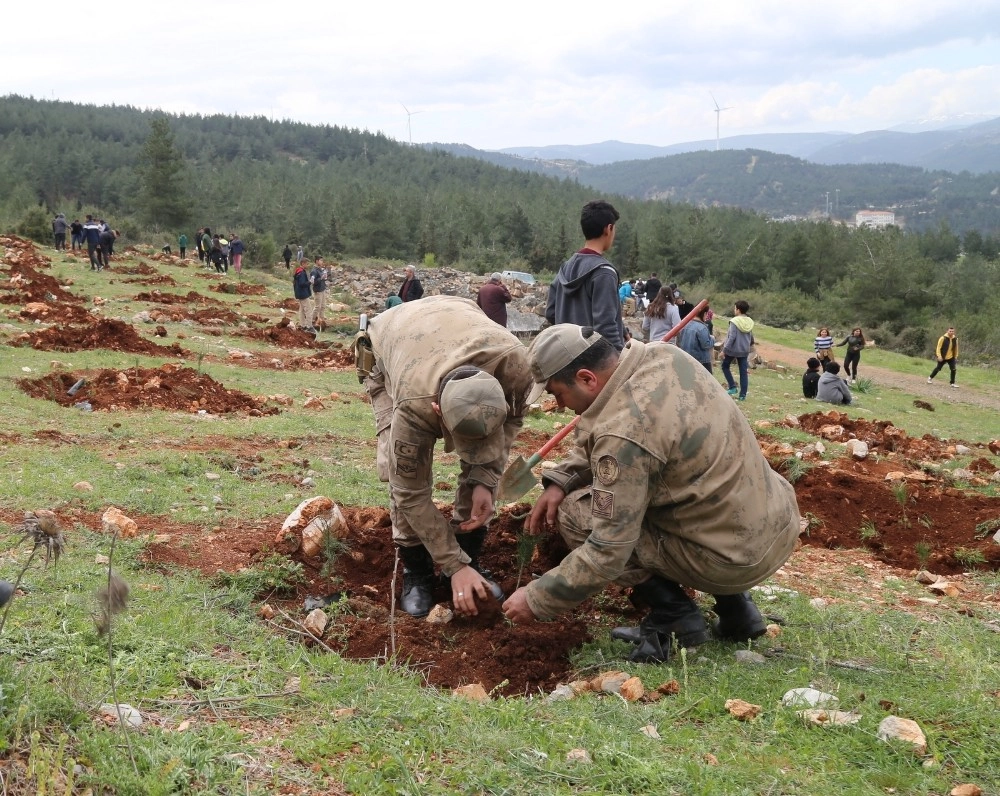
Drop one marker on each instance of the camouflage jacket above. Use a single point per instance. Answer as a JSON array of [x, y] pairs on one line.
[[668, 453], [416, 344]]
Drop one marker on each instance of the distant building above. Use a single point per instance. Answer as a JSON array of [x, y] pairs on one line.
[[874, 218]]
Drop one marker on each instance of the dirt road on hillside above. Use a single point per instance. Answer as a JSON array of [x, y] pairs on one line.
[[795, 359]]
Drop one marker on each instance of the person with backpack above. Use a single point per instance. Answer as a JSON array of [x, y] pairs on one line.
[[287, 255], [585, 291], [215, 250], [236, 249], [302, 291], [182, 244], [206, 244], [92, 237], [317, 280]]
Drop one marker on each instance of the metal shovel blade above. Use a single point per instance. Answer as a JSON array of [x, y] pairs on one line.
[[517, 480]]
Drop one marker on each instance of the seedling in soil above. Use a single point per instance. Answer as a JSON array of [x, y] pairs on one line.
[[968, 557], [868, 531], [923, 551]]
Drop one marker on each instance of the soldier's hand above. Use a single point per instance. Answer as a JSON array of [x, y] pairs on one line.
[[482, 508], [545, 511], [516, 609], [464, 584]]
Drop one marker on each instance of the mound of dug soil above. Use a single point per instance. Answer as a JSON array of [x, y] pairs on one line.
[[52, 313], [109, 334], [283, 336], [239, 289], [483, 649], [170, 387], [880, 435], [28, 284], [192, 297]]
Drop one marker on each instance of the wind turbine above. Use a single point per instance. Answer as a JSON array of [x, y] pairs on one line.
[[409, 115], [718, 113]]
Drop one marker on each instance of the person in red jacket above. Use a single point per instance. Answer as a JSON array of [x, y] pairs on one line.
[[493, 299]]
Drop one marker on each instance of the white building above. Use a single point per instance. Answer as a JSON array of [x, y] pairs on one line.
[[874, 218]]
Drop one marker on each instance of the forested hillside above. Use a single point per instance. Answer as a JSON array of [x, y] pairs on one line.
[[356, 194]]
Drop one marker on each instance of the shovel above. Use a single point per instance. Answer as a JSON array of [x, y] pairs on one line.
[[518, 480]]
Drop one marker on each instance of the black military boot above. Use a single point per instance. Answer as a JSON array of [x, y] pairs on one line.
[[739, 619], [673, 617], [472, 544], [418, 578]]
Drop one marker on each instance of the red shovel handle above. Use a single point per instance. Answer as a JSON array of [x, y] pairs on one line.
[[558, 437], [561, 434], [684, 322]]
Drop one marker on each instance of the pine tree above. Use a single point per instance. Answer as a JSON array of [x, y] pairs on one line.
[[163, 199]]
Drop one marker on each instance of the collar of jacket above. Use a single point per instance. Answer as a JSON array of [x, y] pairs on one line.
[[629, 361]]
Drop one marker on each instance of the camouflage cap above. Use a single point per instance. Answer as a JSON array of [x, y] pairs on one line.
[[556, 347], [473, 411]]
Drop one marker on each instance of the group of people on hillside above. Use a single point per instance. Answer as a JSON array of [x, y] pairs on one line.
[[97, 234], [218, 251], [822, 378], [643, 500]]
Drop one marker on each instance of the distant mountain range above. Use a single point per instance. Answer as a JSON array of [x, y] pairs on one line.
[[939, 175], [974, 148]]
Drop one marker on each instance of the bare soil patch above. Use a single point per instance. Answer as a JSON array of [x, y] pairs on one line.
[[49, 312], [283, 336], [239, 289], [104, 333], [27, 284], [191, 297], [170, 387]]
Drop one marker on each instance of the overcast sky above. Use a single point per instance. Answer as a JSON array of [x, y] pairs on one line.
[[517, 73]]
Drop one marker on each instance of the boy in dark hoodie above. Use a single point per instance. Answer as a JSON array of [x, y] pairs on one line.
[[810, 379], [585, 291]]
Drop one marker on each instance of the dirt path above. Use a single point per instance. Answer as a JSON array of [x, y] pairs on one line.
[[795, 358]]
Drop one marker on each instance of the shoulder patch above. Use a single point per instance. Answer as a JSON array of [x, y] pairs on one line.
[[602, 503], [608, 469]]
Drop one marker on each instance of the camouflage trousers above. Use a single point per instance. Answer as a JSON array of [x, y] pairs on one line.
[[675, 558], [403, 533]]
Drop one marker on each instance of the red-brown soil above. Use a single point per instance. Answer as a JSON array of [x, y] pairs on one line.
[[192, 297], [170, 387], [28, 284], [848, 504], [837, 500], [282, 335], [56, 313], [105, 333], [239, 289]]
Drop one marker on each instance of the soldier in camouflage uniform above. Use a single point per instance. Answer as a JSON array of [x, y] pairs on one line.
[[666, 487], [444, 369]]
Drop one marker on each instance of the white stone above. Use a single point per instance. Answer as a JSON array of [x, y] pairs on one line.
[[749, 656], [809, 698], [440, 615], [829, 718], [906, 730], [963, 450], [124, 712], [858, 449], [212, 476], [818, 602], [561, 693]]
